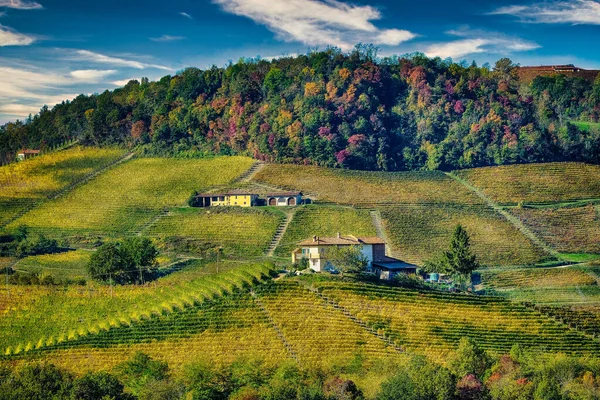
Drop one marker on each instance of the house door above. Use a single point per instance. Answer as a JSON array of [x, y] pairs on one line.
[[272, 201], [292, 201]]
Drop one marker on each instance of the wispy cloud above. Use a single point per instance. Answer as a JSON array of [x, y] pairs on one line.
[[318, 22], [92, 75], [474, 42], [556, 12], [90, 56], [167, 38], [184, 14], [10, 37], [21, 4]]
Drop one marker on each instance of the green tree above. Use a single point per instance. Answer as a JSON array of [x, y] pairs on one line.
[[99, 385], [140, 371], [129, 261], [110, 264], [469, 358], [348, 259], [459, 259]]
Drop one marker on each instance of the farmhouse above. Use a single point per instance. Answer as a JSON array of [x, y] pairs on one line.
[[373, 248], [284, 199], [233, 198], [528, 74], [26, 154]]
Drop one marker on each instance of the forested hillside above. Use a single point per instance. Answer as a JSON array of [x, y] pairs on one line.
[[335, 109]]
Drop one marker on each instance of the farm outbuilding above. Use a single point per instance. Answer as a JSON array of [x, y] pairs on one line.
[[284, 199], [26, 154]]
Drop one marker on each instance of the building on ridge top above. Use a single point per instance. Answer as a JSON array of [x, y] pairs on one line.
[[373, 248], [25, 154], [244, 198]]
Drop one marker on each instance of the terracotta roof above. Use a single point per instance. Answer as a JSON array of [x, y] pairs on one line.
[[29, 151], [235, 192], [284, 194], [341, 240]]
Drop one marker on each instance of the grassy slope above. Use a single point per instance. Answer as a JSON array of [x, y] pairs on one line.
[[360, 187], [125, 198], [24, 184], [417, 233], [70, 264], [324, 221], [54, 313], [531, 183], [567, 229], [241, 231]]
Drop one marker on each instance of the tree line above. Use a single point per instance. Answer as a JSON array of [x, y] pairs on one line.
[[469, 373], [351, 110]]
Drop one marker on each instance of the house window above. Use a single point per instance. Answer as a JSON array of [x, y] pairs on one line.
[[215, 199]]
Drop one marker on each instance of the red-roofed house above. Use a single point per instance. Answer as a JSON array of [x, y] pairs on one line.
[[373, 248], [27, 153]]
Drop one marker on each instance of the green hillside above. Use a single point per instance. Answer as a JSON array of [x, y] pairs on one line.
[[242, 306]]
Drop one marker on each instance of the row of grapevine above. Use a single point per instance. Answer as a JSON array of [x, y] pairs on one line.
[[433, 323], [52, 332]]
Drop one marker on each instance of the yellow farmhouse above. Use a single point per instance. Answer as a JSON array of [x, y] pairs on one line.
[[234, 198]]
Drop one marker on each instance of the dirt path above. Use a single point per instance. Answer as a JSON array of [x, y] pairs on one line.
[[379, 228], [508, 216], [289, 215]]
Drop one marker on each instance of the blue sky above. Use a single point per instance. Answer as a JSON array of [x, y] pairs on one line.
[[52, 50]]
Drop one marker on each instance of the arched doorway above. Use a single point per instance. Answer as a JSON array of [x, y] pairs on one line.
[[272, 201], [291, 201]]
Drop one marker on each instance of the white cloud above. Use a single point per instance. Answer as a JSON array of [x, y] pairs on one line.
[[167, 38], [184, 14], [90, 56], [20, 4], [91, 75], [122, 82], [9, 37], [318, 22], [18, 110], [556, 12], [474, 42]]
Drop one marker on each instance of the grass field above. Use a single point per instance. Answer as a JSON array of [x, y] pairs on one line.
[[71, 264], [418, 233], [536, 183], [324, 221], [125, 198], [567, 229], [367, 188], [432, 323], [24, 184], [240, 231]]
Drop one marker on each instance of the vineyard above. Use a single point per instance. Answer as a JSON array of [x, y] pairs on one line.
[[536, 183], [25, 184], [537, 278], [123, 199], [239, 231], [324, 221], [50, 317], [418, 232], [368, 188], [432, 323], [567, 229]]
